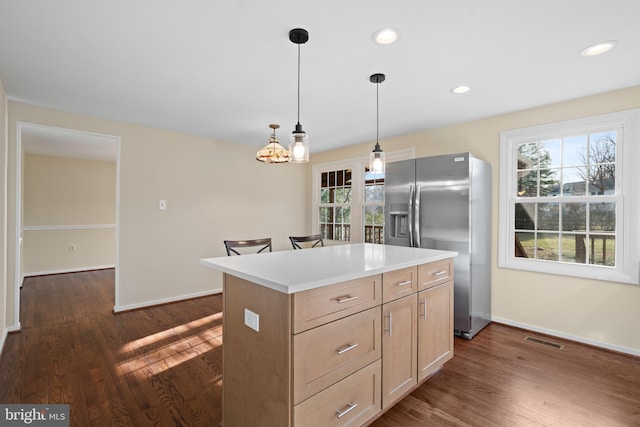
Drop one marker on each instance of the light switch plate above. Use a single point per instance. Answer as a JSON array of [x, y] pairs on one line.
[[252, 320]]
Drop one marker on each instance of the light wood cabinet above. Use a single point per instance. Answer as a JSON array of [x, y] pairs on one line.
[[435, 328], [335, 355], [399, 344]]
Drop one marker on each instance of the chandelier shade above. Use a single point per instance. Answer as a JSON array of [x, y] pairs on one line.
[[273, 152]]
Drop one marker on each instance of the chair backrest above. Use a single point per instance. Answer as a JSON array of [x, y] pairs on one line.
[[232, 245], [315, 238]]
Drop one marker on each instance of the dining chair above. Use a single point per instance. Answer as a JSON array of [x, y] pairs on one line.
[[315, 238], [233, 245]]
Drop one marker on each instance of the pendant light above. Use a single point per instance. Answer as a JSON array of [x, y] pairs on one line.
[[299, 144], [273, 152], [376, 158]]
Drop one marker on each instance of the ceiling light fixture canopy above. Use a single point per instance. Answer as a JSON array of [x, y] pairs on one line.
[[299, 143], [273, 152], [376, 158]]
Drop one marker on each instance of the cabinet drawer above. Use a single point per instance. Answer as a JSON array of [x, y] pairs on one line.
[[351, 401], [325, 355], [325, 304], [399, 283], [434, 273]]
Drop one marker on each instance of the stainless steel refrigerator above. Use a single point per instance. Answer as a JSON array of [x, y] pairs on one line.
[[444, 202]]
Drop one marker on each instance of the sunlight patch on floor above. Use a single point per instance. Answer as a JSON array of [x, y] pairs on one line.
[[167, 349]]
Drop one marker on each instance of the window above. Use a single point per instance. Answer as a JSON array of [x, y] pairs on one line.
[[373, 207], [335, 204], [565, 193], [348, 201]]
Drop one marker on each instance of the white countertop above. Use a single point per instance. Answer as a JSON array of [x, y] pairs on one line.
[[299, 270]]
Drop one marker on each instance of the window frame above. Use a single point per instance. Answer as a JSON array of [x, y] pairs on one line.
[[627, 197], [357, 166]]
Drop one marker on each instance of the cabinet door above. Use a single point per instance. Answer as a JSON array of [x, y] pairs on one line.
[[399, 350], [435, 328]]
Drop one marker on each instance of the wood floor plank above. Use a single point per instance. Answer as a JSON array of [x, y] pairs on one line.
[[162, 366]]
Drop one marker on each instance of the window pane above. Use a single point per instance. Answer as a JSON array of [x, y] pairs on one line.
[[574, 217], [332, 179], [549, 182], [602, 179], [528, 156], [603, 250], [547, 246], [525, 216], [324, 178], [528, 183], [326, 215], [550, 152], [324, 195], [602, 217], [548, 216], [574, 151], [573, 248], [343, 195], [374, 193], [525, 245], [574, 181]]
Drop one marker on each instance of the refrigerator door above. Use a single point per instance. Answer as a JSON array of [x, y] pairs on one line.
[[444, 220], [399, 186]]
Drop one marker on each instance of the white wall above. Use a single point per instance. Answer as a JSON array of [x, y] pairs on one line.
[[597, 312], [214, 191], [6, 317], [68, 202]]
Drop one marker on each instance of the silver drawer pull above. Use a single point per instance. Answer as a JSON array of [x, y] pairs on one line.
[[408, 282], [347, 348], [440, 273], [346, 299], [350, 407]]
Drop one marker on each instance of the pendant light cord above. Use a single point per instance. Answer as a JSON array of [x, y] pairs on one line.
[[298, 83], [377, 111]]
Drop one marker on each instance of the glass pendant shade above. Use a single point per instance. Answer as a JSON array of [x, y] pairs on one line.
[[273, 152], [299, 146], [376, 160]]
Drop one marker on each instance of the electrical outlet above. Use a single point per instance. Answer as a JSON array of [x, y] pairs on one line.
[[163, 205], [252, 320], [72, 247]]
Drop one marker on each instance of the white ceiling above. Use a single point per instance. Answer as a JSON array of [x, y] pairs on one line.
[[226, 69]]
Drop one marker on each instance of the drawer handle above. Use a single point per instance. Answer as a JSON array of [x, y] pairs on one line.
[[440, 273], [347, 348], [423, 308], [350, 407], [408, 282], [346, 299], [390, 329]]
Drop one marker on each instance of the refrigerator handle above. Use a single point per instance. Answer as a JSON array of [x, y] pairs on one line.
[[416, 214], [410, 215]]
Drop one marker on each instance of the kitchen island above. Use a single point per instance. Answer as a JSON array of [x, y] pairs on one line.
[[331, 336]]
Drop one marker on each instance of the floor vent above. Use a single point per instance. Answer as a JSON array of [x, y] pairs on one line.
[[543, 342]]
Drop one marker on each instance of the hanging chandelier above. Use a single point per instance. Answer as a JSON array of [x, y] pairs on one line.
[[299, 144], [273, 152], [376, 157]]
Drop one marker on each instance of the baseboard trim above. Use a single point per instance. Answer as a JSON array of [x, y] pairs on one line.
[[570, 337], [8, 330], [147, 304], [68, 270]]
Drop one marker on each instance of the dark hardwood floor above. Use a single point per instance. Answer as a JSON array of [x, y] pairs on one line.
[[162, 366]]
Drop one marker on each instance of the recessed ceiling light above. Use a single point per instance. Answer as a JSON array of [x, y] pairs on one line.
[[599, 48], [460, 89], [385, 36]]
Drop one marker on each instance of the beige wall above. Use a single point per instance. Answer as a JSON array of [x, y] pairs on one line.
[[604, 313], [214, 191], [65, 200], [5, 316]]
